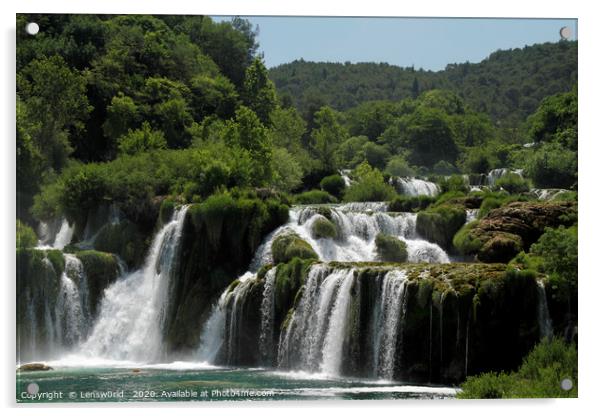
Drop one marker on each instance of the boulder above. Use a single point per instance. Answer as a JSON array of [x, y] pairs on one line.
[[34, 367], [287, 246], [391, 249], [323, 228]]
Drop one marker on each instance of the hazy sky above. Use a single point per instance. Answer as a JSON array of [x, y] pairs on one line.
[[423, 42]]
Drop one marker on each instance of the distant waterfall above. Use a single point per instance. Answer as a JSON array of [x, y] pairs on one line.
[[415, 187], [55, 234], [132, 312], [357, 227], [496, 174]]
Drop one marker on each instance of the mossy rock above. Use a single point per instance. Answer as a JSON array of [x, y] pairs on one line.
[[323, 228], [287, 246], [502, 248], [391, 249], [123, 239], [440, 224], [465, 242], [34, 367], [166, 211], [101, 270]]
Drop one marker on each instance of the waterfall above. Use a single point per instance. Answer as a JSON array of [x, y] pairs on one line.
[[386, 323], [345, 175], [356, 233], [314, 339], [543, 313], [415, 186], [547, 194], [213, 332], [267, 316], [55, 234], [133, 309], [496, 174], [72, 308], [471, 215]]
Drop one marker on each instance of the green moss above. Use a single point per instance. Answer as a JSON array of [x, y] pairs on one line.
[[101, 270], [315, 197], [404, 203], [500, 248], [287, 246], [391, 249], [166, 211], [440, 224], [323, 228], [464, 242], [57, 260]]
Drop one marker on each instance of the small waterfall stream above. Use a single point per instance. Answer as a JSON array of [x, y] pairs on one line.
[[415, 186]]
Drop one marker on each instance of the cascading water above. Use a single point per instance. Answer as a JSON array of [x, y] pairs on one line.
[[415, 186], [356, 234], [132, 312], [267, 316], [55, 234], [543, 313], [387, 316], [496, 174], [72, 308]]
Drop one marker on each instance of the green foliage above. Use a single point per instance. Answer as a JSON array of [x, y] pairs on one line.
[[287, 171], [444, 168], [477, 160], [391, 249], [551, 166], [288, 246], [404, 203], [454, 183], [369, 186], [141, 140], [350, 152], [334, 185], [122, 116], [440, 224], [540, 375], [508, 85], [398, 166], [26, 236], [513, 183], [123, 239], [326, 137], [558, 251], [556, 120], [315, 196], [259, 93], [376, 155], [323, 228]]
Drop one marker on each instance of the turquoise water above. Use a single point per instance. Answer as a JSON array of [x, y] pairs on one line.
[[176, 382]]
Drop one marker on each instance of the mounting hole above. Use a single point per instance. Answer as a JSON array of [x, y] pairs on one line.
[[566, 384], [565, 32], [32, 28]]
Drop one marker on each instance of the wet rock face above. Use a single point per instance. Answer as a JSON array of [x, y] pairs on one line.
[[505, 231], [34, 367]]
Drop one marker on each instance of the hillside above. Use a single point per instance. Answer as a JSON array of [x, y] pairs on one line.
[[508, 85]]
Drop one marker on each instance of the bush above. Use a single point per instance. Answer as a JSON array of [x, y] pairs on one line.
[[404, 203], [26, 237], [551, 166], [455, 183], [370, 186], [288, 246], [315, 196], [440, 224], [444, 168], [539, 376], [334, 185], [323, 228], [398, 166], [513, 183], [142, 140], [391, 249]]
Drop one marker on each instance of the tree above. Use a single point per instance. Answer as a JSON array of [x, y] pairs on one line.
[[56, 96], [259, 93], [142, 140], [122, 115], [326, 137], [287, 172], [551, 166], [556, 120], [247, 132], [398, 166], [369, 185]]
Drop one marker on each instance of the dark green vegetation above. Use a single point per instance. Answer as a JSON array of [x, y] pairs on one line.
[[440, 224], [540, 375], [288, 246]]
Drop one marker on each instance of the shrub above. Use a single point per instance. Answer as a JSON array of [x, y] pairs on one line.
[[443, 167], [404, 203], [540, 375], [142, 140], [391, 249], [513, 183], [551, 166], [26, 237], [288, 246], [315, 196], [440, 224], [454, 183], [398, 166], [370, 186], [334, 185], [323, 228]]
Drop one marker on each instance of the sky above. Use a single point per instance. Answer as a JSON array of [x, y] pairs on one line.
[[426, 43]]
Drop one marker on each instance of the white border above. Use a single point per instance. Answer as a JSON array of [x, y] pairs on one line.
[[589, 156]]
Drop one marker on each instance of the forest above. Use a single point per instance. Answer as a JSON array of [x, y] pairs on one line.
[[146, 113]]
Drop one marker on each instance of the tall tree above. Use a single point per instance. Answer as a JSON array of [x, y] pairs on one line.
[[259, 93]]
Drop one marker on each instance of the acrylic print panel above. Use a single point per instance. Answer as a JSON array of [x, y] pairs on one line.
[[294, 208]]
